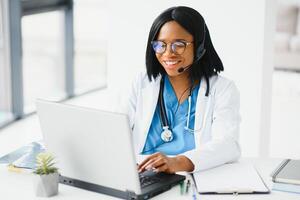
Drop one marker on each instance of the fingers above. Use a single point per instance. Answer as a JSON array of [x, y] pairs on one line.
[[153, 161], [164, 164], [146, 166], [162, 168], [148, 158], [159, 161], [142, 165]]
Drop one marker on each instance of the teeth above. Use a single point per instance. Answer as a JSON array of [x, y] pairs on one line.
[[171, 62]]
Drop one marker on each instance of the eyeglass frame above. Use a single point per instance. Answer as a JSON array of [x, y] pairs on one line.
[[186, 43]]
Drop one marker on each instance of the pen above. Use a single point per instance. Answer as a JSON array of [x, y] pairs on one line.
[[187, 186], [12, 168], [194, 191], [181, 187]]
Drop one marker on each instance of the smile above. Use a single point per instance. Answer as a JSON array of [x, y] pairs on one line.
[[171, 62]]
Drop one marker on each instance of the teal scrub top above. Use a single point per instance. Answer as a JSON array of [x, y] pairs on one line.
[[183, 140]]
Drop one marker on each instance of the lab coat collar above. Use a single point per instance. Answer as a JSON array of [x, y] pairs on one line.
[[149, 101], [204, 105], [201, 105]]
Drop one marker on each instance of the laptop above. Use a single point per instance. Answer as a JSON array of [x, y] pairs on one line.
[[94, 151]]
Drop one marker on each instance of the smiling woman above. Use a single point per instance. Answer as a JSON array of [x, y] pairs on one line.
[[184, 115]]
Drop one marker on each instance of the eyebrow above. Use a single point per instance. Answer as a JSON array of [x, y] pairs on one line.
[[175, 40]]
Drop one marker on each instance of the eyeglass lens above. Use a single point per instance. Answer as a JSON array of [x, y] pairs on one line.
[[177, 47]]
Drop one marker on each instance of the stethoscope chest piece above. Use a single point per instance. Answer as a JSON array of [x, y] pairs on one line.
[[166, 135]]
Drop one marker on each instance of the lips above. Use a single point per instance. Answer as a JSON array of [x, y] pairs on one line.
[[171, 63]]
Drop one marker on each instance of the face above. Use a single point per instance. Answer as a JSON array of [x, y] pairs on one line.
[[169, 33]]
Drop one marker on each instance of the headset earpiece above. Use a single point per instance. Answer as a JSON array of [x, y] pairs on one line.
[[199, 53], [201, 50]]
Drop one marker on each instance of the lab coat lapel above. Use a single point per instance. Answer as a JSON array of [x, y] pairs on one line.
[[201, 107], [149, 102]]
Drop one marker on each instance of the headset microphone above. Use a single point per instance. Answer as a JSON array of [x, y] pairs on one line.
[[182, 69], [201, 53]]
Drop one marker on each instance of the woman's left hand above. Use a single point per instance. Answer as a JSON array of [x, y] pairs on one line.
[[161, 163]]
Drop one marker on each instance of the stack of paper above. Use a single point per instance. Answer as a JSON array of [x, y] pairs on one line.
[[24, 157]]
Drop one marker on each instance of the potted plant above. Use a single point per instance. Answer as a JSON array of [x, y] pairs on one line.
[[46, 181]]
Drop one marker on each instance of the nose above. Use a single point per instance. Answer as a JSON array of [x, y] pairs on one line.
[[169, 50]]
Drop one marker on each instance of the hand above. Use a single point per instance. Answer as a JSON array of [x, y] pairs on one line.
[[161, 163]]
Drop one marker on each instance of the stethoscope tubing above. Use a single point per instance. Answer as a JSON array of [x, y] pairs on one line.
[[163, 115], [162, 108]]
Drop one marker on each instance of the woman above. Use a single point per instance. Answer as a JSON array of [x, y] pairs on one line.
[[184, 115]]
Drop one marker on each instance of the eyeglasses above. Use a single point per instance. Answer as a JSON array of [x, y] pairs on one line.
[[177, 47]]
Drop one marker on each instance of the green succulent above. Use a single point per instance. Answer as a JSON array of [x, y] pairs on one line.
[[45, 164]]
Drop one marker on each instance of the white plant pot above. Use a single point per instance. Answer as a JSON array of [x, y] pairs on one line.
[[46, 185]]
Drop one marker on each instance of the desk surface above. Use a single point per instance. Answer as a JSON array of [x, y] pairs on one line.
[[20, 186]]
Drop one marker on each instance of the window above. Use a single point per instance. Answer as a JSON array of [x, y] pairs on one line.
[[90, 34], [42, 39], [5, 106], [43, 58]]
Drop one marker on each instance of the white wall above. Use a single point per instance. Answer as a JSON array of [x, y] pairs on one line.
[[267, 74], [237, 30]]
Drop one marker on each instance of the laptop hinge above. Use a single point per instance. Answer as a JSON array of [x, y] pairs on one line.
[[131, 195]]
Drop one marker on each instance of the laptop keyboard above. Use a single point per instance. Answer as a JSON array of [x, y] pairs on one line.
[[147, 180]]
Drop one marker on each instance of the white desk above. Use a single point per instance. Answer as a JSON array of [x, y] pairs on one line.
[[19, 186]]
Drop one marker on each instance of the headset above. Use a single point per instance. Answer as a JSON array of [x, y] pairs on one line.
[[199, 53], [167, 135]]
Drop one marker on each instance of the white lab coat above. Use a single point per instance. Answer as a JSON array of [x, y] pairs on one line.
[[217, 116]]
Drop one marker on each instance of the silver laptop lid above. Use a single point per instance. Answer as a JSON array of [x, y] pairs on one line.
[[90, 145]]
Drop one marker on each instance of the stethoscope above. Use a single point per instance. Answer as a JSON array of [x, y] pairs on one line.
[[166, 134]]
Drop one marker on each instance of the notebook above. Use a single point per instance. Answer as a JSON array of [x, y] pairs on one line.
[[94, 151], [287, 172], [235, 178], [286, 187], [286, 176]]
